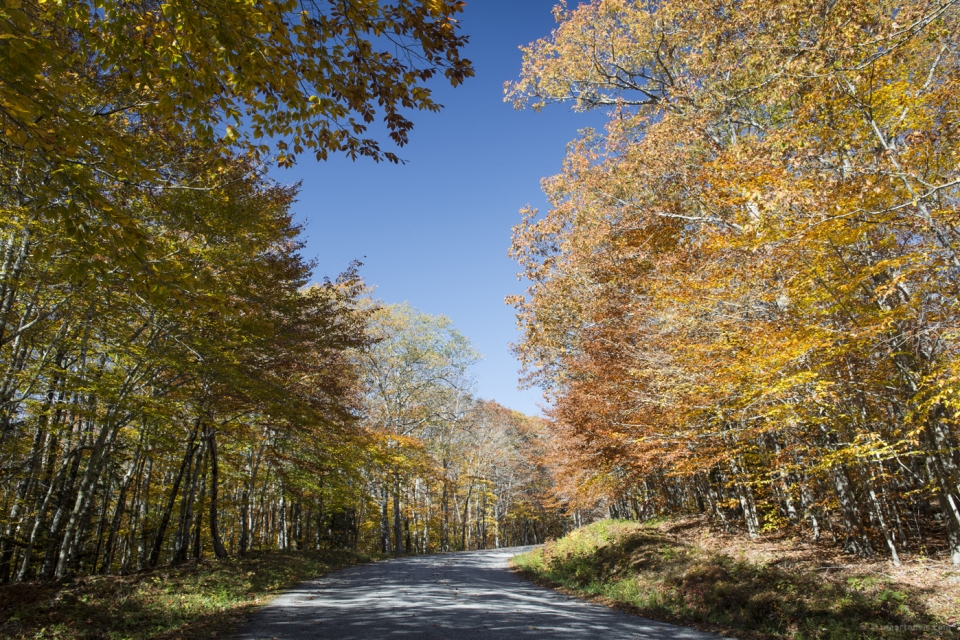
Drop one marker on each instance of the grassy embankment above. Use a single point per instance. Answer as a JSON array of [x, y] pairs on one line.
[[197, 600], [682, 572]]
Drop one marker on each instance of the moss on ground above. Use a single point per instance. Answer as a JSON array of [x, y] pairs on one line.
[[196, 600], [658, 575]]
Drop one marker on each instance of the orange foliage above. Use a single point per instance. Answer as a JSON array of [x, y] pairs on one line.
[[744, 294]]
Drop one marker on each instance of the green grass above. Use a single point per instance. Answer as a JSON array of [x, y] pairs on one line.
[[204, 600], [642, 569]]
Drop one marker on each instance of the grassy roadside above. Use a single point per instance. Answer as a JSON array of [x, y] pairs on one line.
[[679, 576], [197, 600]]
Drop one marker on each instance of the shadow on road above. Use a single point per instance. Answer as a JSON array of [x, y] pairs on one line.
[[456, 596]]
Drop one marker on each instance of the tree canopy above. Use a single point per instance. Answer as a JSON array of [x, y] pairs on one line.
[[744, 293], [173, 382], [106, 103]]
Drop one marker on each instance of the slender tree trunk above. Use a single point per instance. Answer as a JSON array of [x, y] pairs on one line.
[[218, 550], [108, 550], [747, 504], [182, 538], [198, 521], [397, 525], [71, 540], [168, 511], [101, 525], [384, 519], [14, 262], [143, 513], [807, 504], [466, 516], [946, 474], [38, 523], [445, 506], [856, 541], [244, 521], [883, 524], [13, 525], [64, 495]]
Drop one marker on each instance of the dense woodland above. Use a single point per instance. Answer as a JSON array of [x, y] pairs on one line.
[[744, 297], [743, 303], [173, 384]]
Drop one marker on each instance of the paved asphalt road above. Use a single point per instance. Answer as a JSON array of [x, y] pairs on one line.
[[457, 596]]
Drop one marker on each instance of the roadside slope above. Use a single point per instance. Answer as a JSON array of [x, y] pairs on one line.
[[192, 601], [683, 572]]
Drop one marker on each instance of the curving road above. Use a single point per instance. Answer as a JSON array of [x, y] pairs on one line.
[[455, 596]]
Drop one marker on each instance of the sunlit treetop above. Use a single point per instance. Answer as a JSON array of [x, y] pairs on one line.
[[302, 76]]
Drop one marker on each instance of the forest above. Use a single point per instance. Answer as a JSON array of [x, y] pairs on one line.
[[744, 293], [175, 384], [742, 298]]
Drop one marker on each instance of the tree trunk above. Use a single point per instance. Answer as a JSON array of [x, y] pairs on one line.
[[143, 512], [12, 529], [218, 550], [445, 506], [856, 541], [108, 550], [384, 519], [466, 516], [946, 472], [181, 545], [397, 525], [72, 541], [168, 511], [198, 520]]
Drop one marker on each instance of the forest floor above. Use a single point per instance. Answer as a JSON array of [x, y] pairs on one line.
[[687, 572], [204, 599]]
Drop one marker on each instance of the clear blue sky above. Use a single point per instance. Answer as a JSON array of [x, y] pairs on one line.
[[435, 231]]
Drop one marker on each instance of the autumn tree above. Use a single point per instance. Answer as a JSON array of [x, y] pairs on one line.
[[417, 383], [128, 410], [744, 293], [169, 381], [106, 102]]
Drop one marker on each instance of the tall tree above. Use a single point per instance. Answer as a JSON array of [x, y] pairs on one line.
[[744, 294], [416, 380]]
